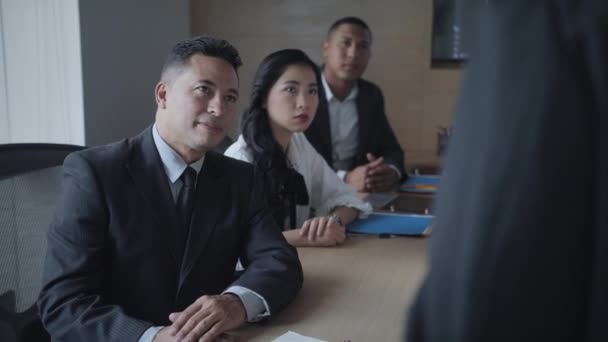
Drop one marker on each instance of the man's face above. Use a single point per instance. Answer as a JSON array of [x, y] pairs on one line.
[[346, 52], [197, 104]]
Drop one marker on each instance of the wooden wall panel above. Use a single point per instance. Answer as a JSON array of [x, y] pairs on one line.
[[418, 98]]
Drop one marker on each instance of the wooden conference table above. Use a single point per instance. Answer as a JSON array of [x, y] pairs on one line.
[[359, 291]]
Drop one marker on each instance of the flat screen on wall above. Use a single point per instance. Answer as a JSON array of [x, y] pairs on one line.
[[448, 38]]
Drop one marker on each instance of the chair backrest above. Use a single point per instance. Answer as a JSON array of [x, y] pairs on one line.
[[27, 204], [19, 158], [30, 188]]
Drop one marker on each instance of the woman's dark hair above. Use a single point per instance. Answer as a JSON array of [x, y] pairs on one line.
[[268, 156]]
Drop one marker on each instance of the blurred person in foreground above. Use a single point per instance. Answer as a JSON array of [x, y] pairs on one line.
[[520, 247]]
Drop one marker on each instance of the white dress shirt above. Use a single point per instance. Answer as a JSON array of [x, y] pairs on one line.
[[325, 190], [344, 125], [255, 305]]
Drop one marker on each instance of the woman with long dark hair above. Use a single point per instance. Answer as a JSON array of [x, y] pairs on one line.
[[308, 200]]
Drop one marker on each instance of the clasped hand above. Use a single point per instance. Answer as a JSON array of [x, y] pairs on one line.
[[323, 231], [375, 176], [205, 320]]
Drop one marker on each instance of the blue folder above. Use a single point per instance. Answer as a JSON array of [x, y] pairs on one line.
[[420, 183], [393, 223]]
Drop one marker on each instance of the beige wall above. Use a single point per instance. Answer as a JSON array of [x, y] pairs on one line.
[[417, 97]]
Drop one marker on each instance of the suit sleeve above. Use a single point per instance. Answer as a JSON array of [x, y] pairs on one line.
[[272, 267], [389, 146], [595, 42], [71, 303]]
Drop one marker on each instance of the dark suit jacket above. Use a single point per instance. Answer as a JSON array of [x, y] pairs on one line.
[[111, 269], [519, 250], [375, 134]]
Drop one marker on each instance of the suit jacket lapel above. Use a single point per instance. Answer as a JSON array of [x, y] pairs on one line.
[[211, 190], [322, 129], [146, 169], [363, 112]]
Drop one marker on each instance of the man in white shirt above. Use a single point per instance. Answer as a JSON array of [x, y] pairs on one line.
[[146, 240], [350, 129]]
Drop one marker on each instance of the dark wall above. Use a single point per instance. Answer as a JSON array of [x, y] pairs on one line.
[[124, 44]]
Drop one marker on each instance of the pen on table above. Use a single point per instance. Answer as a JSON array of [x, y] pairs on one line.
[[386, 235]]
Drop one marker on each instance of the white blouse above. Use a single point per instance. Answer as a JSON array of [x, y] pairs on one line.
[[325, 190]]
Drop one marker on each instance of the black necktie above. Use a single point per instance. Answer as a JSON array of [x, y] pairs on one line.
[[185, 204]]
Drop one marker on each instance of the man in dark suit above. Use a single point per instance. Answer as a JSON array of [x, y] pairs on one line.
[[350, 129], [519, 250], [145, 243]]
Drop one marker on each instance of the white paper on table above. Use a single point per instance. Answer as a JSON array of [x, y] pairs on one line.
[[291, 336]]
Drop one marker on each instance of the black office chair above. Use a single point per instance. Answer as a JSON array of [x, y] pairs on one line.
[[30, 189], [18, 158]]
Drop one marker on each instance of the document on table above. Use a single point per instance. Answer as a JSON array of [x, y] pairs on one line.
[[291, 336]]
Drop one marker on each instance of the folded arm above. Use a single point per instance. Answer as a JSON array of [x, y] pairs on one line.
[[272, 267]]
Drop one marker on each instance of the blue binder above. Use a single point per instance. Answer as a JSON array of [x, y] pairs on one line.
[[393, 223], [422, 184]]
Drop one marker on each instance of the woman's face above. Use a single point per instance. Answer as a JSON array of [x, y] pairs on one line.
[[293, 99]]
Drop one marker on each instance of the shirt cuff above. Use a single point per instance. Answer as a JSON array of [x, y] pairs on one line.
[[341, 174], [149, 334], [396, 170], [255, 305]]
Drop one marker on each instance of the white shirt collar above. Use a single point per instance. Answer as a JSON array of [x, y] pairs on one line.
[[330, 95], [173, 163]]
